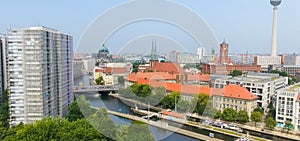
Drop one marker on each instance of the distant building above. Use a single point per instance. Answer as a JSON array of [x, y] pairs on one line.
[[77, 68], [40, 74], [227, 69], [89, 64], [235, 97], [111, 71], [188, 58], [263, 85], [173, 56], [298, 76], [288, 106], [201, 52], [266, 61], [290, 69], [103, 55], [224, 59], [3, 66]]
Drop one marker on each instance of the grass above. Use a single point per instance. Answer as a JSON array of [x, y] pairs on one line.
[[228, 131]]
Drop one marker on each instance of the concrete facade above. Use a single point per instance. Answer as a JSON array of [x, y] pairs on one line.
[[40, 74]]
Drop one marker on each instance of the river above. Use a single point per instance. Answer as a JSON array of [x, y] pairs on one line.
[[114, 104]]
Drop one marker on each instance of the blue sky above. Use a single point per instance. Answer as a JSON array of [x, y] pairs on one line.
[[245, 24]]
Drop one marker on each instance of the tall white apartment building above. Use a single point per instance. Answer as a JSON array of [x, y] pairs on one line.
[[39, 74], [263, 85], [288, 106]]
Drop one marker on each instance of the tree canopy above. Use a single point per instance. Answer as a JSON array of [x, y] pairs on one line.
[[256, 117]]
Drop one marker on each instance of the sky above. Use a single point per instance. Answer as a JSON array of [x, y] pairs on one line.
[[245, 25]]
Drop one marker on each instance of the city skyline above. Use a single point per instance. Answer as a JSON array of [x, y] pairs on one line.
[[222, 19]]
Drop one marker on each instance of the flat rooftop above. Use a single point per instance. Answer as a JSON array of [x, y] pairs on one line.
[[293, 88]]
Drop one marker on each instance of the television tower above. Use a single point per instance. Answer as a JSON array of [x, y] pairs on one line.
[[275, 4]]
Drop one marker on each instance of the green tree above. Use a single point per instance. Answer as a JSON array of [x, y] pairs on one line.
[[169, 101], [218, 115], [201, 101], [209, 111], [103, 123], [183, 105], [141, 90], [74, 112], [288, 126], [271, 123], [4, 111], [242, 117], [137, 131], [259, 109], [121, 80], [229, 114], [100, 81], [236, 73], [256, 117], [85, 106]]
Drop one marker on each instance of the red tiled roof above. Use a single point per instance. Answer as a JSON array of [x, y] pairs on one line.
[[173, 114], [235, 91], [168, 67], [200, 77]]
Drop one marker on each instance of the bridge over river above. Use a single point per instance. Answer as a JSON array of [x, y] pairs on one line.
[[96, 88]]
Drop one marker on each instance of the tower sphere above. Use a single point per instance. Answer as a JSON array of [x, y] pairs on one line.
[[275, 2]]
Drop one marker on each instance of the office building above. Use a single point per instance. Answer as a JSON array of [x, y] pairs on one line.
[[40, 74]]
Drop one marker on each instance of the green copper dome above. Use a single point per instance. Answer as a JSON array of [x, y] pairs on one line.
[[103, 49]]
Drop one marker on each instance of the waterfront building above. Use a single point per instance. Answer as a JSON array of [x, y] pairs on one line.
[[40, 74], [288, 106], [89, 64], [235, 97], [77, 68], [263, 85], [112, 71]]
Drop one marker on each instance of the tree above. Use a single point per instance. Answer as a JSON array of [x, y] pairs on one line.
[[141, 90], [4, 111], [121, 80], [288, 126], [100, 81], [209, 110], [74, 112], [271, 123], [256, 117], [218, 115], [183, 105], [229, 114], [103, 123], [137, 131], [169, 101], [236, 73], [242, 117], [201, 101], [259, 109]]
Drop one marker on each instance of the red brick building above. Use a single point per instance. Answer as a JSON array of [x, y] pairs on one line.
[[226, 69]]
